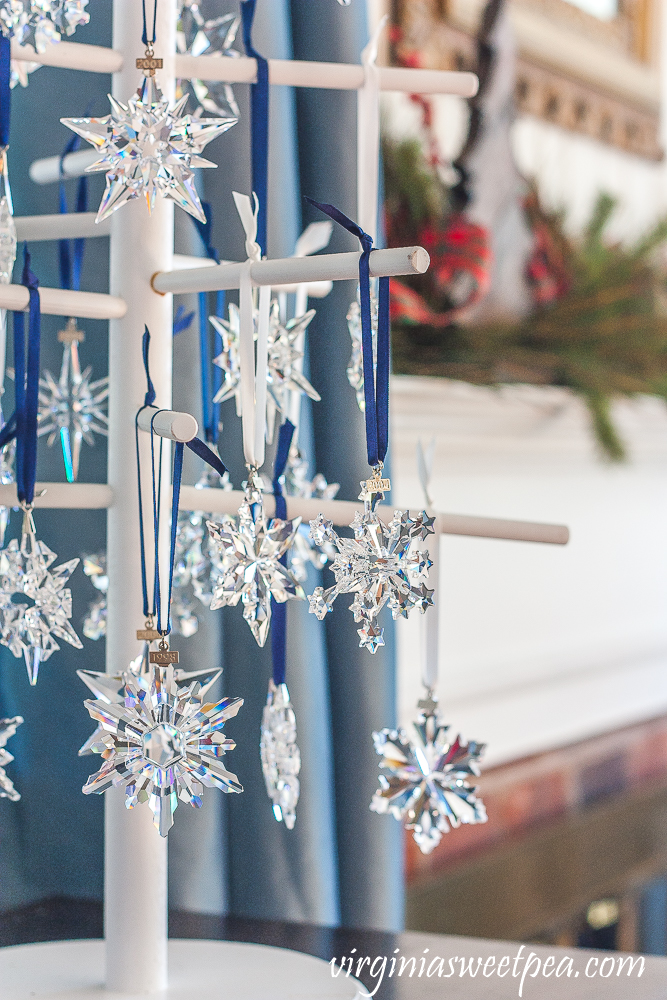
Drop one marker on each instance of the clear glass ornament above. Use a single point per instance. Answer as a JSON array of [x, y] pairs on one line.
[[424, 780], [196, 36], [7, 729], [95, 622], [355, 369], [279, 753]]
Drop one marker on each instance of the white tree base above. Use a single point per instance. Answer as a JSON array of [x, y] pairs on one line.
[[198, 970]]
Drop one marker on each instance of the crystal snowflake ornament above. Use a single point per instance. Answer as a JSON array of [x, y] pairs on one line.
[[196, 36], [149, 148], [284, 375], [72, 409], [379, 565], [39, 23], [424, 781], [32, 629], [250, 548], [355, 369], [7, 729], [281, 760], [110, 688], [162, 743]]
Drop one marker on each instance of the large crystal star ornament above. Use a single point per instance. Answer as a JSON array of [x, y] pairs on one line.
[[250, 549], [35, 604], [162, 742], [281, 760], [148, 148], [424, 781], [379, 565], [7, 729]]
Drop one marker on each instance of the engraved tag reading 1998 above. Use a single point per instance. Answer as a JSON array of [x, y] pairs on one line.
[[163, 657], [148, 634]]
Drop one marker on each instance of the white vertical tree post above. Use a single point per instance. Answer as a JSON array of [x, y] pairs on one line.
[[135, 890]]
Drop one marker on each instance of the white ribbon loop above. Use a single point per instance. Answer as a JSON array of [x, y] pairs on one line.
[[368, 136], [253, 370]]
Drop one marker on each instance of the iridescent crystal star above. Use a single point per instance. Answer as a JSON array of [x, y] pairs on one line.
[[7, 729], [110, 688], [73, 408], [424, 781], [31, 628], [355, 369], [162, 743], [250, 550], [379, 565], [283, 376], [149, 148], [195, 36], [281, 760]]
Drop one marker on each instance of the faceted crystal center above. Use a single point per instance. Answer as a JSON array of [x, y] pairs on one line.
[[163, 745]]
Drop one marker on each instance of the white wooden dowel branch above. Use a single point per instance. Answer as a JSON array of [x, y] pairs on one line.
[[55, 168], [68, 226], [72, 55], [327, 76], [289, 73], [293, 270], [168, 423], [63, 496], [64, 302], [92, 496]]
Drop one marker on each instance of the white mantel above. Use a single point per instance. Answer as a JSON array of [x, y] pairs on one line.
[[541, 645]]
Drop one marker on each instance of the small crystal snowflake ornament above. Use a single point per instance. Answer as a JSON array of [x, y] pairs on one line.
[[39, 23], [7, 729], [195, 36], [424, 781], [281, 760], [149, 148], [250, 548], [355, 369], [32, 629], [162, 743], [72, 409], [379, 565], [284, 375]]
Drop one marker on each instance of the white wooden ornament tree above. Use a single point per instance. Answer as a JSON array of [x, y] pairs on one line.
[[133, 960]]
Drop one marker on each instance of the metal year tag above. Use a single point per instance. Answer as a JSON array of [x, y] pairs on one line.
[[163, 657], [148, 635], [149, 64]]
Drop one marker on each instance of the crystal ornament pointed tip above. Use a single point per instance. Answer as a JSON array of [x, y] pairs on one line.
[[7, 729]]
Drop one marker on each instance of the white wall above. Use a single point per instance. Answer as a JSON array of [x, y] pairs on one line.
[[540, 645]]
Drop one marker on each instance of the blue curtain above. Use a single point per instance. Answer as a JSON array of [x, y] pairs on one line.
[[341, 863]]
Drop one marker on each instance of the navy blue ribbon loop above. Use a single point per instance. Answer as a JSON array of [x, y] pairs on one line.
[[70, 252], [202, 451], [209, 386], [5, 90], [376, 377], [26, 380], [144, 37], [259, 122], [279, 611]]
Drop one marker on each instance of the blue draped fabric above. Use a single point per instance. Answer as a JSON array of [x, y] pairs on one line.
[[341, 863]]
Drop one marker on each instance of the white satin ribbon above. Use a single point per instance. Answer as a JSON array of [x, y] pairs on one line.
[[368, 136], [430, 624], [253, 368]]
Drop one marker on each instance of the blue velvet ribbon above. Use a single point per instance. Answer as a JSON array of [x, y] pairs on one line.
[[5, 90], [279, 611], [202, 451], [27, 387], [182, 320], [70, 252], [144, 37], [209, 385], [376, 378], [259, 122]]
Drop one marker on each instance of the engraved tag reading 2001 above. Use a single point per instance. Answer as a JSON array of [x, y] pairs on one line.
[[148, 635], [149, 63]]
